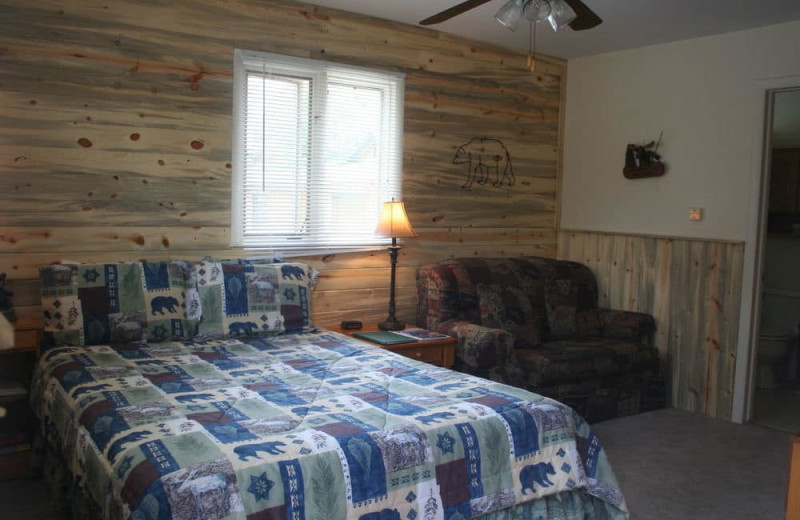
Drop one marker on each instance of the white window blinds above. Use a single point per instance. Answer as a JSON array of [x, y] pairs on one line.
[[317, 150]]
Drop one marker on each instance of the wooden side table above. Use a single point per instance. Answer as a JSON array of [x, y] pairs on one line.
[[27, 336], [439, 352]]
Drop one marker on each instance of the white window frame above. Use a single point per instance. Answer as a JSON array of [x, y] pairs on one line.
[[391, 147]]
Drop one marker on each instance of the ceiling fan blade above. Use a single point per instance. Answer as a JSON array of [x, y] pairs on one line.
[[456, 10], [585, 18]]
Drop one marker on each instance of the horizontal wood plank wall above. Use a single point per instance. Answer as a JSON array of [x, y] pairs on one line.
[[115, 137], [691, 287]]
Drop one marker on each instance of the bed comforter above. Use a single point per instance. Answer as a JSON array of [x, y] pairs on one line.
[[310, 426]]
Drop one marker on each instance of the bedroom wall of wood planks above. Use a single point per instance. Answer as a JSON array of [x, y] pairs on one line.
[[693, 289], [116, 137]]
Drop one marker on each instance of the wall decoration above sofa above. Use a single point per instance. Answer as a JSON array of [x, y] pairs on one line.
[[643, 160], [485, 156]]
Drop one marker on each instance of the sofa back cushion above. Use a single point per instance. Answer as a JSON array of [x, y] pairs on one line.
[[563, 294], [570, 300], [93, 304], [241, 298], [448, 290], [511, 309]]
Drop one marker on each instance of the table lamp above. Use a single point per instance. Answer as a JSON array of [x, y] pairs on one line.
[[393, 223]]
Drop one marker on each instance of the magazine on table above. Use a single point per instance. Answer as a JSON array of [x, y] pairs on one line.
[[422, 334]]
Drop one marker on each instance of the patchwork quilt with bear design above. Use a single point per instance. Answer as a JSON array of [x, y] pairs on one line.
[[309, 426]]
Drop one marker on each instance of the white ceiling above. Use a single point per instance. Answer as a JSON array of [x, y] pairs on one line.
[[626, 23]]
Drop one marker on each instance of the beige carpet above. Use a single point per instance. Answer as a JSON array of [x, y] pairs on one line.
[[675, 465]]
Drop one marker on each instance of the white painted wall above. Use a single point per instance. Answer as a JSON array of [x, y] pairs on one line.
[[705, 94]]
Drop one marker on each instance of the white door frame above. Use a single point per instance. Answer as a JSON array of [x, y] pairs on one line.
[[749, 312]]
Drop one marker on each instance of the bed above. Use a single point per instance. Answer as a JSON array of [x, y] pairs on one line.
[[309, 425]]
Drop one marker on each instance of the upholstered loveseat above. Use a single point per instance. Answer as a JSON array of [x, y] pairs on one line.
[[534, 323]]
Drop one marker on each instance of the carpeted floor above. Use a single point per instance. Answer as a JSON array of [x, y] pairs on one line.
[[676, 465], [670, 465]]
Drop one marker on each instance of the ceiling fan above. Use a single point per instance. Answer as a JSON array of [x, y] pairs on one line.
[[557, 12]]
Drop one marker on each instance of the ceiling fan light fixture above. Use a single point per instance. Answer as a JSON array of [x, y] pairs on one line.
[[510, 15], [537, 10], [560, 14]]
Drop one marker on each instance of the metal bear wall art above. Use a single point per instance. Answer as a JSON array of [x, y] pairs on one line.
[[485, 156]]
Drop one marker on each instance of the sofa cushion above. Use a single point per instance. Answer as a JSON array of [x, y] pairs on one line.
[[578, 359], [561, 297], [571, 309], [466, 274], [242, 298], [510, 308], [93, 304]]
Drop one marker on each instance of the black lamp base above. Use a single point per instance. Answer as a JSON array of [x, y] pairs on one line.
[[391, 324]]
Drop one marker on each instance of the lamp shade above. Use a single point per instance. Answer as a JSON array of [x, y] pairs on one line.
[[560, 14], [510, 15], [394, 221], [6, 333]]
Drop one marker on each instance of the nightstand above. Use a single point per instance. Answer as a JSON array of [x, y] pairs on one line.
[[440, 352], [16, 428]]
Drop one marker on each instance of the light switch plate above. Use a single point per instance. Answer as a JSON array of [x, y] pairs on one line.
[[695, 214]]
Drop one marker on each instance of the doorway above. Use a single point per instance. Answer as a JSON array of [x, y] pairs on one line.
[[776, 372]]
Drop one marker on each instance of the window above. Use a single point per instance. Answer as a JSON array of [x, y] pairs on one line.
[[317, 150]]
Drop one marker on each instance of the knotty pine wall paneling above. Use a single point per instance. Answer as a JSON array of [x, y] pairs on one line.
[[693, 289], [115, 137]]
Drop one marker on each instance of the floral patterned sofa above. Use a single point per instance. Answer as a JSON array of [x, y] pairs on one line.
[[534, 323]]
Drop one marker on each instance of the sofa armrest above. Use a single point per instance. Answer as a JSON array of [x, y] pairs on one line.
[[627, 325], [479, 349]]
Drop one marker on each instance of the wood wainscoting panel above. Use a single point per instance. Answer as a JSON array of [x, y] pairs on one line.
[[693, 289]]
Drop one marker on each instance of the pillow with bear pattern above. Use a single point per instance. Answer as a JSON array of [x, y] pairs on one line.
[[241, 298], [95, 304]]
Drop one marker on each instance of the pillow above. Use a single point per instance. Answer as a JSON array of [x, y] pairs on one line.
[[510, 309], [94, 304], [245, 299]]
